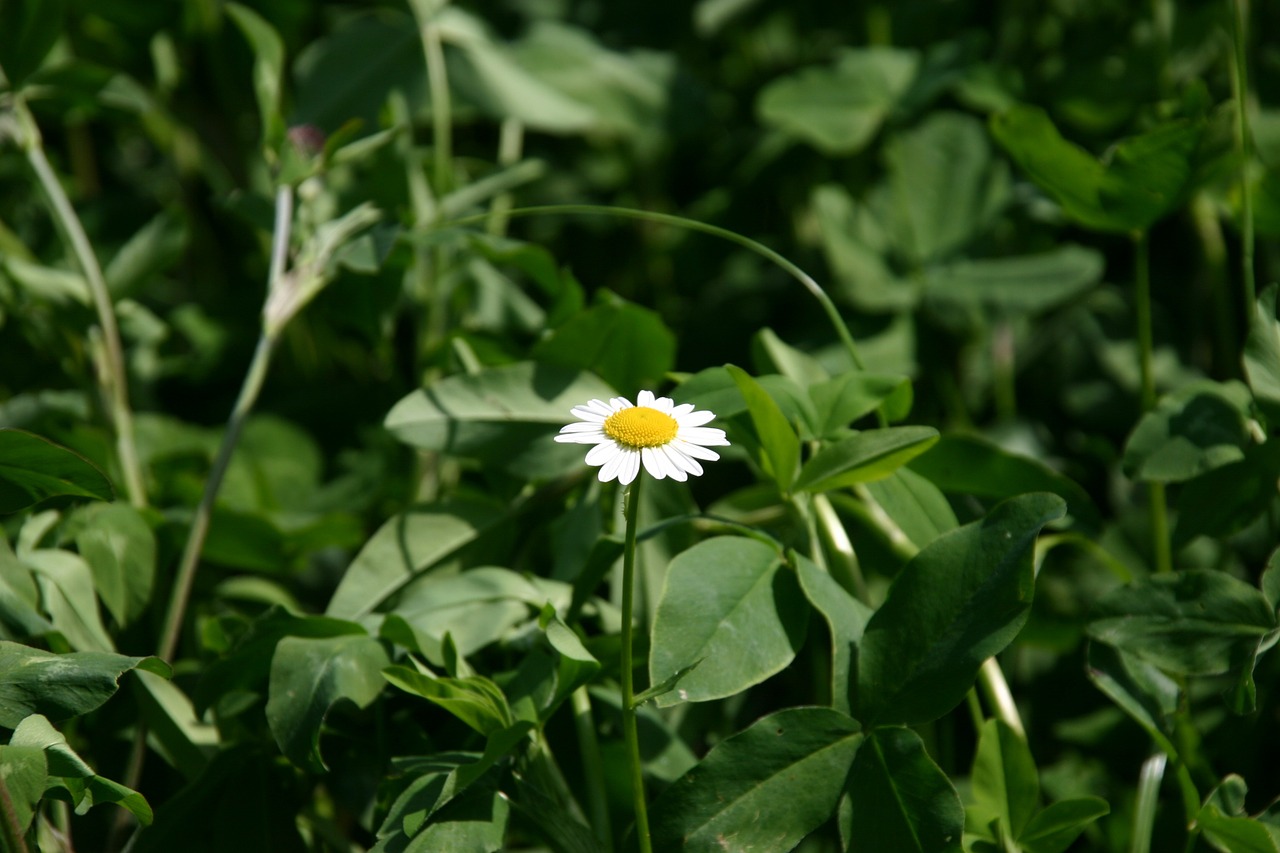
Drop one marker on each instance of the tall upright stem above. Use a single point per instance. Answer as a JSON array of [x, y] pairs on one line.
[[111, 371], [1240, 90], [632, 511]]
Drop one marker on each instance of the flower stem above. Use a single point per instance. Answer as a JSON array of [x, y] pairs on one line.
[[112, 374], [631, 510]]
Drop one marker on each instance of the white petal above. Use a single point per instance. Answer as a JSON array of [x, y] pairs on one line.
[[630, 466], [586, 413], [612, 467], [670, 461], [663, 404], [695, 419], [652, 459], [601, 453], [619, 403], [681, 410], [581, 426], [582, 437], [705, 436], [694, 450], [600, 407], [686, 462], [645, 398]]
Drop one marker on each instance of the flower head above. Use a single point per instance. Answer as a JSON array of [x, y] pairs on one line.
[[668, 440]]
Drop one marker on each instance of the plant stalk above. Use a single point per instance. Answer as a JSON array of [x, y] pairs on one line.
[[592, 766], [632, 512], [1240, 91], [1157, 502], [112, 374]]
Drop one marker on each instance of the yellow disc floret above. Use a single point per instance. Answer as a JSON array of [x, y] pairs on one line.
[[640, 426]]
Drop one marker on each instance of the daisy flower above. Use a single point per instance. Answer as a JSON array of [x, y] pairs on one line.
[[668, 440]]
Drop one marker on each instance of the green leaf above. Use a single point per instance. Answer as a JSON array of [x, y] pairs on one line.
[[958, 602], [969, 464], [1191, 431], [404, 547], [1057, 826], [1141, 690], [843, 399], [1262, 354], [1188, 622], [771, 354], [183, 738], [152, 250], [763, 789], [268, 70], [778, 440], [66, 587], [846, 620], [1005, 780], [731, 601], [946, 186], [902, 802], [1235, 833], [1227, 499], [1145, 179], [31, 28], [311, 674], [86, 787], [61, 686], [915, 504], [505, 415], [1020, 285], [839, 109], [475, 700], [624, 344], [120, 549], [23, 776], [867, 456], [33, 469]]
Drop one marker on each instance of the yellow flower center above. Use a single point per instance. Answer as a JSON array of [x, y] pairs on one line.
[[641, 426]]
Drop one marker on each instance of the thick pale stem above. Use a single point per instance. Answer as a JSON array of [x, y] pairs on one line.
[[113, 377], [629, 732]]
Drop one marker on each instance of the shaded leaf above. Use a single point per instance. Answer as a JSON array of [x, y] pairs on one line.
[[1191, 431], [902, 802], [61, 686], [33, 469], [846, 620], [1025, 284]]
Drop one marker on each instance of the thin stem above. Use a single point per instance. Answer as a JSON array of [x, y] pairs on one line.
[[249, 391], [441, 107], [996, 689], [1240, 91], [510, 149], [828, 306], [632, 511], [112, 374], [1144, 816], [1157, 502], [592, 766], [837, 538]]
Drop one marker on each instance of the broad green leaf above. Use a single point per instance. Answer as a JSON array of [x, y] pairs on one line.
[[268, 69], [1005, 780], [178, 733], [1141, 690], [1262, 354], [846, 620], [1227, 499], [19, 597], [763, 789], [838, 109], [120, 549], [969, 464], [915, 504], [247, 666], [563, 830], [626, 345], [61, 686], [23, 776], [33, 469], [504, 415], [1235, 834], [946, 186], [843, 399], [857, 249], [473, 822], [902, 802], [1189, 622], [771, 354], [779, 444], [961, 600], [715, 389], [866, 457], [550, 671], [30, 30], [66, 587], [1144, 179], [86, 787], [1194, 430], [475, 700], [404, 547], [1056, 827], [308, 676], [731, 602], [1018, 285]]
